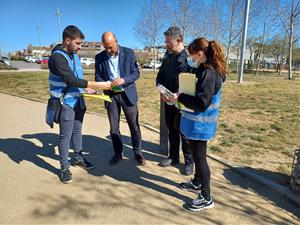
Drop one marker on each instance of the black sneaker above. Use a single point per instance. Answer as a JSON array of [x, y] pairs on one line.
[[189, 186], [84, 164], [188, 169], [66, 176], [201, 203], [168, 162]]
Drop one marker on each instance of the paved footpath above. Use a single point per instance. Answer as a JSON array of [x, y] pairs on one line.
[[122, 194]]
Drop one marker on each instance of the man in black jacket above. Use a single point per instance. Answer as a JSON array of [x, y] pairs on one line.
[[174, 62]]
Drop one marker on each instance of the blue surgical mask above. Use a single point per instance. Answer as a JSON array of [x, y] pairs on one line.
[[191, 62]]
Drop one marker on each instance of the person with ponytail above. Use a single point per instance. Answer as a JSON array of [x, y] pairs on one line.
[[199, 126]]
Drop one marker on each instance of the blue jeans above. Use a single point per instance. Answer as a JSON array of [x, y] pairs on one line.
[[70, 125]]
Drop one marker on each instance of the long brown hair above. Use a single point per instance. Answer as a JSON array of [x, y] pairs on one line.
[[213, 52]]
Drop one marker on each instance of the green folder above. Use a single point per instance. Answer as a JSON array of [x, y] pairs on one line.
[[117, 89]]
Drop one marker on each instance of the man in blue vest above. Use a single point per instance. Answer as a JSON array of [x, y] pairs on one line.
[[118, 65], [67, 83]]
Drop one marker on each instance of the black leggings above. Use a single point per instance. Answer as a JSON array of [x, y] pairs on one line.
[[202, 171]]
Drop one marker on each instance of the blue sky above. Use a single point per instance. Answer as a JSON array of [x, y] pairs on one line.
[[20, 18]]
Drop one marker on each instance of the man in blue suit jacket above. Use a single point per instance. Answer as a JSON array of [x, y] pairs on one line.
[[118, 65]]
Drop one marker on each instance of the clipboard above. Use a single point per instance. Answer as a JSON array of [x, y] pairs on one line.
[[187, 85]]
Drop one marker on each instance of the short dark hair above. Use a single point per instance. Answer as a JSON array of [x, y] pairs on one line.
[[72, 32], [174, 32]]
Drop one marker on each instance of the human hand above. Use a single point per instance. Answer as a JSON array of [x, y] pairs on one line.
[[90, 91], [164, 98], [174, 97], [105, 85], [118, 81]]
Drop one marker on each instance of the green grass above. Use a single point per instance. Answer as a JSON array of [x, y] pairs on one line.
[[259, 124]]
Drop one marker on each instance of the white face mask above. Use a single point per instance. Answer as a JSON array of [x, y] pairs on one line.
[[191, 62]]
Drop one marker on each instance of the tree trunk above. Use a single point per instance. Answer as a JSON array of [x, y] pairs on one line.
[[291, 33], [291, 52], [257, 66], [279, 69], [154, 52], [230, 35], [227, 54], [237, 63], [263, 37]]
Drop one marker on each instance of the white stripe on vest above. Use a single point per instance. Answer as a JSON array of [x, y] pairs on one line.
[[207, 119]]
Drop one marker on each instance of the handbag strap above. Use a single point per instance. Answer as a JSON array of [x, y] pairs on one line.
[[64, 93]]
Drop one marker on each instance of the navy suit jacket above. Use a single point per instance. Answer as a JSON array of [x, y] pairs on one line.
[[128, 71]]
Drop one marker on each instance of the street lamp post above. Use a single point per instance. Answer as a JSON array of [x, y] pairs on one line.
[[39, 35], [58, 14], [244, 41]]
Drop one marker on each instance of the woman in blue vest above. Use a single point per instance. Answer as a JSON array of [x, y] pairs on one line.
[[199, 126]]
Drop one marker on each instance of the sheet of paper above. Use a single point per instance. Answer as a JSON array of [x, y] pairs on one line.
[[99, 96], [164, 91]]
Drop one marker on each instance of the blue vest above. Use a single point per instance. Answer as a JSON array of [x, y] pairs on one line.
[[57, 85], [201, 125]]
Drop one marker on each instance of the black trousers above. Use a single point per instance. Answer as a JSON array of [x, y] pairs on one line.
[[172, 117], [132, 117], [202, 171]]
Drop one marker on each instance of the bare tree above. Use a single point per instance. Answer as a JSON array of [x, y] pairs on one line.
[[236, 49], [289, 15], [278, 50], [150, 24], [186, 14], [214, 22], [265, 12], [231, 26], [252, 45]]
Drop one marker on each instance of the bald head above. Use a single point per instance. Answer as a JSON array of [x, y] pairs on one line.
[[108, 37], [110, 43]]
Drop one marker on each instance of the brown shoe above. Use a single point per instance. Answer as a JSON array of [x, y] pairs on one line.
[[140, 159]]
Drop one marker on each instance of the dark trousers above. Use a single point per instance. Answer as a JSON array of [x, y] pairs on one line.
[[132, 117], [202, 171], [172, 117], [70, 125]]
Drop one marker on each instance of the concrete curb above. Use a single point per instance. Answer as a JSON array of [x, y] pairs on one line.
[[289, 194]]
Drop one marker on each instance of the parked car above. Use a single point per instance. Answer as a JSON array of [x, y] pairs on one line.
[[5, 59], [31, 59], [43, 60], [87, 61], [151, 65]]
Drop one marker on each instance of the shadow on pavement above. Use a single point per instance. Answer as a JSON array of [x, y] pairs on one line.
[[152, 194], [104, 193], [151, 150], [127, 170], [265, 192], [21, 149]]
